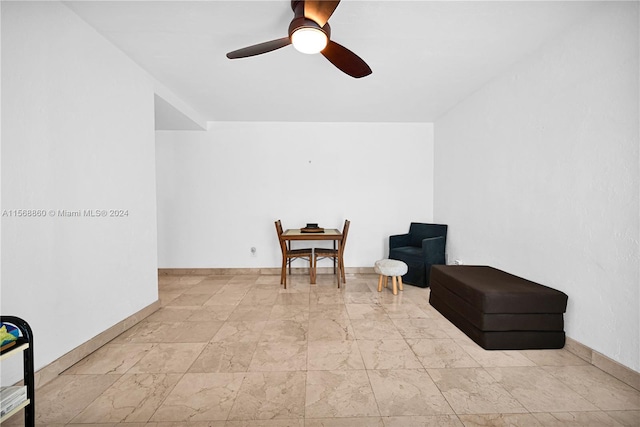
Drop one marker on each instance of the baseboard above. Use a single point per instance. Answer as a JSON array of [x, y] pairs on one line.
[[239, 271], [599, 360], [55, 368]]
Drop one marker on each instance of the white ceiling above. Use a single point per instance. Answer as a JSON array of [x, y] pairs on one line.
[[426, 56]]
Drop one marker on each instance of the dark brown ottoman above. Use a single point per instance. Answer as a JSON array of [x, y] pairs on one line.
[[498, 310]]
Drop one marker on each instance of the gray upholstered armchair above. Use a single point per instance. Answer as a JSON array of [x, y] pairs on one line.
[[421, 248]]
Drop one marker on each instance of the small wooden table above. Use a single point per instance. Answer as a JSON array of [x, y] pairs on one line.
[[328, 234]]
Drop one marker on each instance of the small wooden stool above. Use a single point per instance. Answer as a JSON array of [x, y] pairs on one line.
[[390, 267]]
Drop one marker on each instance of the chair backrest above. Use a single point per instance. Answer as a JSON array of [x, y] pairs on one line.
[[283, 244], [419, 231], [345, 232]]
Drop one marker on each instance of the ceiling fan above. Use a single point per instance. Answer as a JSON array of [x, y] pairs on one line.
[[309, 32]]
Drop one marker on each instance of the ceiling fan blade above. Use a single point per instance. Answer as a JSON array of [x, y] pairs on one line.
[[258, 49], [347, 61], [320, 10]]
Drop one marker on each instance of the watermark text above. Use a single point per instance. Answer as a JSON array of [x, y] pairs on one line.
[[65, 213]]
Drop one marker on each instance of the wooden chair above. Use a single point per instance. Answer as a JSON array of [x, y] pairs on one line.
[[288, 255], [336, 254]]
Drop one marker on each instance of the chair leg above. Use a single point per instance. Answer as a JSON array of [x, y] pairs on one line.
[[338, 274], [283, 271], [380, 283], [395, 285], [283, 275], [341, 265], [400, 283], [313, 262]]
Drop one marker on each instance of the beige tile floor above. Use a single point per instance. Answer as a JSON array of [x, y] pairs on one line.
[[241, 351]]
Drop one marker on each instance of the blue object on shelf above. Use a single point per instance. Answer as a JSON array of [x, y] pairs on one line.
[[8, 333]]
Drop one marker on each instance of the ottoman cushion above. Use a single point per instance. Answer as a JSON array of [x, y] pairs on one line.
[[494, 291], [390, 267]]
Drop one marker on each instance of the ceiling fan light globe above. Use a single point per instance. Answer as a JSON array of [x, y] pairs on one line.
[[309, 40]]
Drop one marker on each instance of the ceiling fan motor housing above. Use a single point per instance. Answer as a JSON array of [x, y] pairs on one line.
[[299, 20]]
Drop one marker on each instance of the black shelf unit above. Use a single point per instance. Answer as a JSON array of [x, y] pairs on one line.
[[23, 344]]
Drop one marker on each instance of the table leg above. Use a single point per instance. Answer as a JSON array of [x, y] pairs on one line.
[[314, 262], [334, 260]]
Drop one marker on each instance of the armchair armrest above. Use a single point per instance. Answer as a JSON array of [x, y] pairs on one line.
[[399, 240], [433, 250]]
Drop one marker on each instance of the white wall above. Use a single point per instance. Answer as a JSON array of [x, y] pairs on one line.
[[1, 205], [219, 192], [77, 133], [537, 174]]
